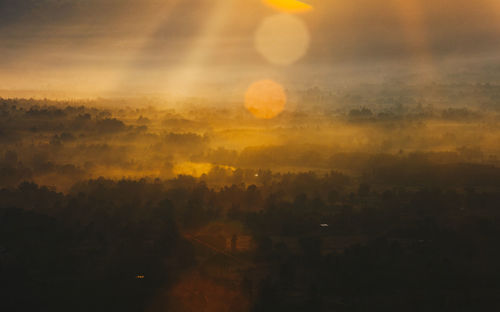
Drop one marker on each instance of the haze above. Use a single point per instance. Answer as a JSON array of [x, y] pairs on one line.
[[119, 48], [249, 155]]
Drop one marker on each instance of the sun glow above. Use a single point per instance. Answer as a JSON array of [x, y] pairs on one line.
[[290, 6]]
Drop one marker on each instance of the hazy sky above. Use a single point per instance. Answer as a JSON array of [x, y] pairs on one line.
[[120, 46]]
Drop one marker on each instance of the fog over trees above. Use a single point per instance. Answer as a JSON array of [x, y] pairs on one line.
[[107, 206]]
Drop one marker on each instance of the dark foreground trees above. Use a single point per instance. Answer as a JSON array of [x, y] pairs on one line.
[[332, 245]]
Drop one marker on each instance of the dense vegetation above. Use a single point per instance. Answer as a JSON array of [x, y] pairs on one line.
[[417, 249], [147, 209]]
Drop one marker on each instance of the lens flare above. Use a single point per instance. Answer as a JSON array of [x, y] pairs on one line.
[[265, 99], [282, 39]]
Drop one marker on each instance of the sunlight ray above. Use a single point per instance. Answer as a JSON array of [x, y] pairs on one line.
[[412, 17], [185, 74], [146, 42]]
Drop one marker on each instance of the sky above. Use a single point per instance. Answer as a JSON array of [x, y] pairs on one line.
[[190, 47]]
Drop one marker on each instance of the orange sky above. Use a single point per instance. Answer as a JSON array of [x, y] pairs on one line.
[[118, 47]]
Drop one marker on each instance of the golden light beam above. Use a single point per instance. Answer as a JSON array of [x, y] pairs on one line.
[[494, 5], [151, 30], [188, 70], [412, 17], [181, 78]]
